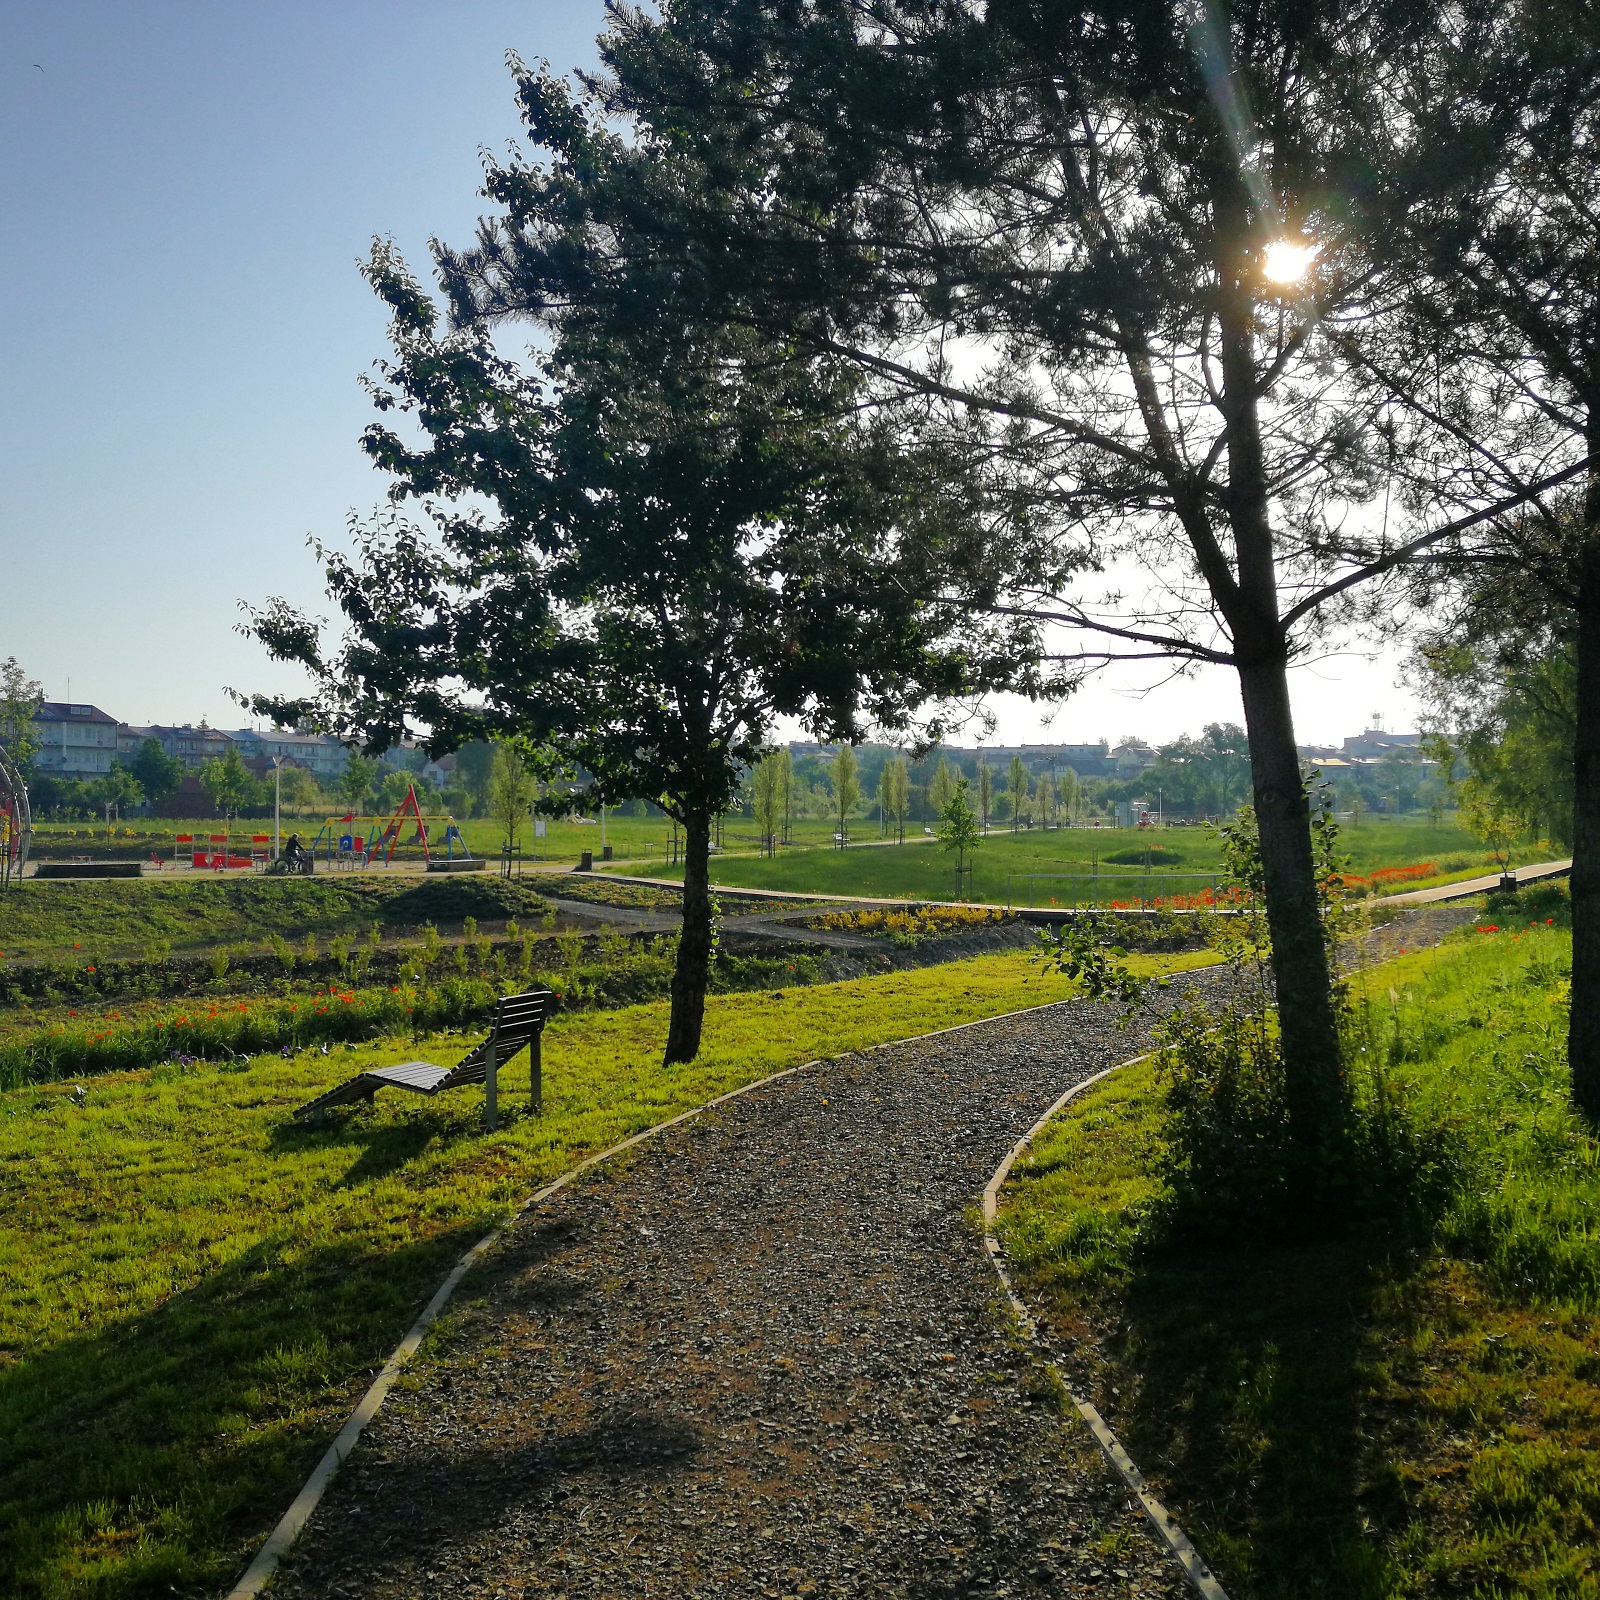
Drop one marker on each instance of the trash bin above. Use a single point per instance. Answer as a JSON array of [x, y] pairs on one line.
[[586, 861], [605, 852]]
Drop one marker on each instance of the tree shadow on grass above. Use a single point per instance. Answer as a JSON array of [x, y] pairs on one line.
[[149, 1455], [387, 1143], [1254, 1404]]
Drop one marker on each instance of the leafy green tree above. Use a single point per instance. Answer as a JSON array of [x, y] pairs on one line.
[[1209, 774], [844, 787], [680, 547], [894, 795], [358, 780], [389, 790], [20, 698], [158, 774], [475, 766], [768, 797], [985, 791], [228, 783], [1487, 814], [1071, 791], [958, 831], [1499, 678], [1086, 248], [1490, 232], [785, 784], [1017, 786], [512, 790], [1046, 798], [298, 788], [941, 786], [117, 790]]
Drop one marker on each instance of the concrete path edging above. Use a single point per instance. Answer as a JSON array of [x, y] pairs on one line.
[[1168, 1531], [278, 1543]]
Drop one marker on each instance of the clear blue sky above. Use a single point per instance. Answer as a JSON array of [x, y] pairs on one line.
[[187, 187]]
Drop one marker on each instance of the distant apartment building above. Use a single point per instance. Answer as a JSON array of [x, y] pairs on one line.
[[190, 745], [1375, 744], [75, 741], [319, 753]]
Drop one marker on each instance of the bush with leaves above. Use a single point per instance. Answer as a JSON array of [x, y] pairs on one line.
[[1233, 1168]]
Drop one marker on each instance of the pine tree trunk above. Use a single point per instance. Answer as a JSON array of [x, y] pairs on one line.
[[1307, 1028], [692, 975], [1583, 1031]]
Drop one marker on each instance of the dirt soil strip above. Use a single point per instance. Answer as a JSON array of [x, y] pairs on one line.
[[764, 1354]]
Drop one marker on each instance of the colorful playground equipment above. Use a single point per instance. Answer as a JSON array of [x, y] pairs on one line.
[[218, 852], [352, 841], [16, 822]]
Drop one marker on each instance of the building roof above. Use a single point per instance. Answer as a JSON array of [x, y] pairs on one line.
[[71, 711]]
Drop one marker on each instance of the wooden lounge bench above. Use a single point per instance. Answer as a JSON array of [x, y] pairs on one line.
[[518, 1022]]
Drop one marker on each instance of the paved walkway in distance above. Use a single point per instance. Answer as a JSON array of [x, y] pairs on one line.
[[763, 1355], [1472, 886]]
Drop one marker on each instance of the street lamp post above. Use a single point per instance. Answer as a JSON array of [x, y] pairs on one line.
[[277, 800]]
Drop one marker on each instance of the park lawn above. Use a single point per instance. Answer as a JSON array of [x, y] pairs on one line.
[[197, 1289], [920, 870], [67, 919], [1364, 1419], [564, 842]]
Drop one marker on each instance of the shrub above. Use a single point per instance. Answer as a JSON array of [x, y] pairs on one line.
[[915, 925], [1233, 1169], [1153, 856], [1235, 1173]]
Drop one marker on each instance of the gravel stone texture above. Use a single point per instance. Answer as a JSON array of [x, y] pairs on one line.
[[762, 1355]]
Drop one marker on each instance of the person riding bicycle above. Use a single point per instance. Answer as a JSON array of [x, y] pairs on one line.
[[295, 853]]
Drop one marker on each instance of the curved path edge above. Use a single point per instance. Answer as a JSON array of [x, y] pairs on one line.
[[279, 1542], [1168, 1531]]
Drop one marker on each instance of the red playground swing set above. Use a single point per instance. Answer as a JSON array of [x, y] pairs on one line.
[[349, 840]]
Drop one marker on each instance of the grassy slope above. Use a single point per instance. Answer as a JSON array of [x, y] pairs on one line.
[[923, 871], [1348, 1420], [564, 842], [196, 1289], [126, 918]]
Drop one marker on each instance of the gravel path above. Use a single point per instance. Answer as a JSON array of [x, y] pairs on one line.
[[761, 1355]]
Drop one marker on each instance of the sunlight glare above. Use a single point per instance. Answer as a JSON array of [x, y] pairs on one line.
[[1284, 261]]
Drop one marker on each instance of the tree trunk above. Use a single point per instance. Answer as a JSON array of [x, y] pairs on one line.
[[693, 972], [1307, 1027], [1308, 1030], [1583, 1031]]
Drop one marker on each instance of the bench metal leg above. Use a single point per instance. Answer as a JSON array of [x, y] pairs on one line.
[[491, 1083], [536, 1072]]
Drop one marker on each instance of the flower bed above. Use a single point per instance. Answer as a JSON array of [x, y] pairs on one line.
[[222, 1028], [116, 1041]]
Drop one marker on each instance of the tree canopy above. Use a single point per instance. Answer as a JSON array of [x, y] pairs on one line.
[[1092, 255]]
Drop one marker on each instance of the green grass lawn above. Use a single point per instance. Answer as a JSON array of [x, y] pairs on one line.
[[1363, 1420], [631, 838], [921, 871], [197, 1289], [57, 918]]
